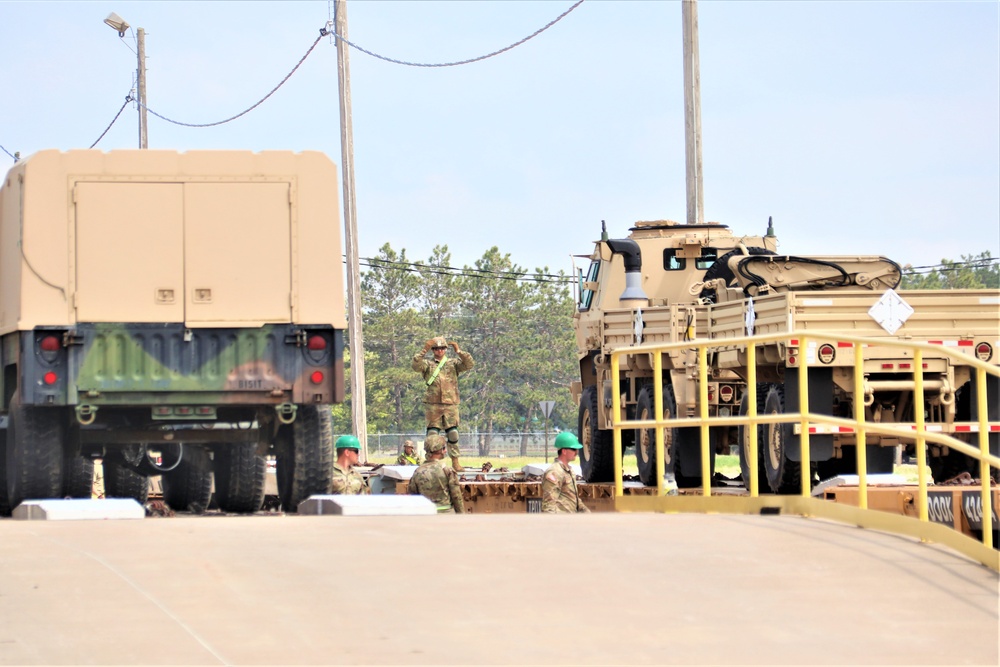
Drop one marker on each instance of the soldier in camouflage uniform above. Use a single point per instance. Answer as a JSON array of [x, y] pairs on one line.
[[559, 492], [441, 398], [346, 482], [407, 457], [436, 481]]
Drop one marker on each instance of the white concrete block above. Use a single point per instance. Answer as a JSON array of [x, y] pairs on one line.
[[540, 468], [398, 473], [877, 479], [372, 505], [79, 509]]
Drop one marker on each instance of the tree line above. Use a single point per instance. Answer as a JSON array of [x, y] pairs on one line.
[[516, 324]]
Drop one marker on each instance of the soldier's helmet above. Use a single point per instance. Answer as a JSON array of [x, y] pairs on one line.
[[567, 440], [349, 442], [434, 443], [439, 341], [408, 444]]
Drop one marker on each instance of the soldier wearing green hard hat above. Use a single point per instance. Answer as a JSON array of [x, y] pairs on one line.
[[559, 490], [346, 481]]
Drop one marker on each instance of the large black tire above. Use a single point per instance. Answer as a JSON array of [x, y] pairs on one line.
[[597, 456], [744, 440], [5, 508], [188, 487], [783, 475], [305, 456], [239, 477], [78, 477], [645, 438], [951, 465], [34, 452], [123, 481]]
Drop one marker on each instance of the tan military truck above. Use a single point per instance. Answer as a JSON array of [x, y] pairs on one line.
[[639, 290], [854, 297], [669, 282], [173, 314]]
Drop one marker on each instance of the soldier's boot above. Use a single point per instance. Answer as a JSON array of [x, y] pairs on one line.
[[456, 465]]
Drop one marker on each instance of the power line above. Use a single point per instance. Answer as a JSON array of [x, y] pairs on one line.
[[329, 31], [8, 153], [451, 268], [246, 111], [468, 273], [128, 98]]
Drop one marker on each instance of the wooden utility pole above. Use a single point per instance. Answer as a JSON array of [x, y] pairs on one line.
[[692, 114], [359, 411], [140, 83]]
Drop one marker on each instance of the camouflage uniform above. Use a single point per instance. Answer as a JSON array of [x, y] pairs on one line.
[[438, 483], [559, 492], [348, 482], [441, 397], [404, 460]]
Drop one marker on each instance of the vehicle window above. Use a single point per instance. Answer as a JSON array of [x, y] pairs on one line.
[[671, 262], [707, 259], [586, 295]]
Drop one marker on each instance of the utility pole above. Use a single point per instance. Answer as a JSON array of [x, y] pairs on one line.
[[359, 411], [692, 114], [141, 86]]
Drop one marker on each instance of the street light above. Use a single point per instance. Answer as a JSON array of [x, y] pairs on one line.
[[119, 24]]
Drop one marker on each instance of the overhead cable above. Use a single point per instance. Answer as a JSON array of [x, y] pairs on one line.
[[128, 98], [328, 30], [13, 157], [246, 111]]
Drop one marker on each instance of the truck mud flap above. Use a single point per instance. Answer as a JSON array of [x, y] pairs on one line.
[[820, 402]]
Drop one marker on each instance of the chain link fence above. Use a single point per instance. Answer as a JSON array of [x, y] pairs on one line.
[[381, 445]]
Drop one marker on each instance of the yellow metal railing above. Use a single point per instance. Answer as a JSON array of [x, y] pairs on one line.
[[860, 426]]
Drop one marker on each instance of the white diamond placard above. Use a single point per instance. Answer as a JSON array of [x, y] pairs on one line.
[[890, 311], [750, 317]]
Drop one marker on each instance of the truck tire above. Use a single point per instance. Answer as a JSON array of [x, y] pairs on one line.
[[5, 507], [78, 477], [744, 440], [122, 481], [305, 456], [239, 477], [783, 476], [645, 438], [597, 455], [188, 487], [34, 452]]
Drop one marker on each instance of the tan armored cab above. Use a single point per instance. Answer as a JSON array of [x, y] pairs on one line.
[[170, 313]]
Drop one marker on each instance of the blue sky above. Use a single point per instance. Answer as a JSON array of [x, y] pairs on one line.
[[861, 127]]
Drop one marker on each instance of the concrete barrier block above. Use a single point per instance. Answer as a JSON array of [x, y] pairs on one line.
[[79, 509], [373, 505], [398, 473]]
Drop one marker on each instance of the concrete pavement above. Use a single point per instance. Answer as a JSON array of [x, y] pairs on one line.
[[490, 589]]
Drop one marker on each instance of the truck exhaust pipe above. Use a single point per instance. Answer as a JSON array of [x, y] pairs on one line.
[[629, 250]]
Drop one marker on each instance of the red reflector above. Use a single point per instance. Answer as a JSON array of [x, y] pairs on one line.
[[49, 344], [904, 367], [316, 377], [182, 411], [841, 343], [827, 353], [963, 429], [794, 342], [316, 343], [50, 378], [984, 351], [791, 361], [887, 366], [965, 343]]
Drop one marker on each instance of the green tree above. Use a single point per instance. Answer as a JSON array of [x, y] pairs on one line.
[[971, 272], [390, 293]]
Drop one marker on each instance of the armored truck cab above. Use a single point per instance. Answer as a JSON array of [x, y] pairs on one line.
[[169, 313]]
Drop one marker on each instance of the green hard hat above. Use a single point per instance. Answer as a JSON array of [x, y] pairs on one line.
[[348, 442], [567, 440]]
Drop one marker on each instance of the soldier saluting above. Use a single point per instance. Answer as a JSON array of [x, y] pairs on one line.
[[441, 397]]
